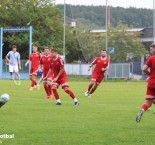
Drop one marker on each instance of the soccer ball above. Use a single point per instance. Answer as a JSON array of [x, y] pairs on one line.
[[4, 98]]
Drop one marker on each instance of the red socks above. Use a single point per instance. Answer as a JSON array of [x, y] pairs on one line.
[[50, 89], [48, 92], [56, 95], [70, 93], [89, 87], [145, 107], [33, 83]]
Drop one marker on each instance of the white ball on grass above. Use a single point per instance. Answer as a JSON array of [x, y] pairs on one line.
[[4, 98]]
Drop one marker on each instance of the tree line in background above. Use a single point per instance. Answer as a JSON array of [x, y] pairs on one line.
[[94, 16], [47, 21]]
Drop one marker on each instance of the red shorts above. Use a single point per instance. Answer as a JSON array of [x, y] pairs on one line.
[[50, 77], [62, 81], [97, 77], [150, 93], [33, 72]]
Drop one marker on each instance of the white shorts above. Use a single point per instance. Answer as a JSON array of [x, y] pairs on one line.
[[13, 68]]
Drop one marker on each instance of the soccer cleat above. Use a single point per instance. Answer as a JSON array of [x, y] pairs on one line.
[[58, 103], [31, 89], [77, 103], [87, 94], [1, 104], [139, 115], [49, 97]]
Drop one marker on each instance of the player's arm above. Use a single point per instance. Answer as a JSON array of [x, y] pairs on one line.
[[28, 61], [19, 62], [7, 58], [91, 65], [145, 69], [106, 68], [48, 74], [59, 74]]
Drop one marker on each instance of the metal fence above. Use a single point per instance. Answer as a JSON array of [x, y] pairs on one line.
[[116, 70]]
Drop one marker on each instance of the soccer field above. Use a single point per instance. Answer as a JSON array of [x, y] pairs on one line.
[[107, 118]]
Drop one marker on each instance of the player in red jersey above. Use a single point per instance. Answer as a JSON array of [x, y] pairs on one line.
[[45, 65], [102, 65], [59, 77], [149, 69], [35, 62]]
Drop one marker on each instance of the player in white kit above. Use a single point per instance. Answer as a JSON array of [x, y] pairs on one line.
[[13, 58]]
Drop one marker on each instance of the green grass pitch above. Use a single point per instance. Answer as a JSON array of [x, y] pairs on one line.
[[107, 118]]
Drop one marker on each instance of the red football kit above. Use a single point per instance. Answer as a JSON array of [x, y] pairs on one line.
[[45, 62], [56, 65], [35, 62], [100, 63], [150, 93]]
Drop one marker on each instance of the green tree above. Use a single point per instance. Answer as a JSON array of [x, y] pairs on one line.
[[125, 44], [45, 18], [118, 37]]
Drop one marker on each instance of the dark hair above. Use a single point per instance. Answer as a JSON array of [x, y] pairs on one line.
[[54, 50], [104, 50], [152, 45], [14, 46]]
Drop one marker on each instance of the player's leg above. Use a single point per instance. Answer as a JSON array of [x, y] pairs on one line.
[[150, 96], [56, 95], [33, 82], [11, 71], [144, 107], [70, 93], [94, 87], [49, 83], [90, 87], [17, 74], [40, 81], [31, 79], [34, 74], [99, 79], [48, 92], [34, 79]]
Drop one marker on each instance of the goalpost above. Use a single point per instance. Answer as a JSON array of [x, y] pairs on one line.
[[15, 30]]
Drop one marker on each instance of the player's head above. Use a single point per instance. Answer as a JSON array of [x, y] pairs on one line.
[[14, 48], [54, 52], [34, 48], [103, 53], [46, 51], [152, 49]]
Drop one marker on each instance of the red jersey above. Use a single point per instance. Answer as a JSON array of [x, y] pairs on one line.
[[35, 59], [45, 62], [151, 64], [100, 63], [56, 64]]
